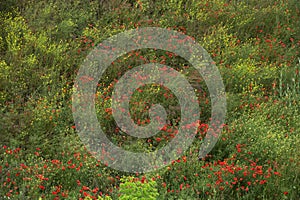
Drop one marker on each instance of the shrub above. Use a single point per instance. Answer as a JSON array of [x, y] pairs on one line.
[[131, 188]]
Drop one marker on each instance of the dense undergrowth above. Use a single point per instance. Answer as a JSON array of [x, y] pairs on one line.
[[255, 45]]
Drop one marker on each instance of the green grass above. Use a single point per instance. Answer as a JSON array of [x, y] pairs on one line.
[[255, 46]]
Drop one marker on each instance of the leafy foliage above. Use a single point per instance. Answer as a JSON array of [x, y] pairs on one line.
[[130, 188], [255, 45]]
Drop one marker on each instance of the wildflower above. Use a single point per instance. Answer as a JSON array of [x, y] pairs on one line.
[[181, 185], [85, 188], [277, 173], [262, 182], [41, 187]]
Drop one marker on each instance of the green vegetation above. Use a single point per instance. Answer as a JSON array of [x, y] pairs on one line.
[[255, 45]]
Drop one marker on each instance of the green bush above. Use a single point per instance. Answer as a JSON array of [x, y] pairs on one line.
[[131, 188]]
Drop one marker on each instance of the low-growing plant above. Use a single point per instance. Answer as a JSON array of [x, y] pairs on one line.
[[133, 188]]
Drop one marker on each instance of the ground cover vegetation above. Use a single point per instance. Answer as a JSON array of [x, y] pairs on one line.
[[255, 45]]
